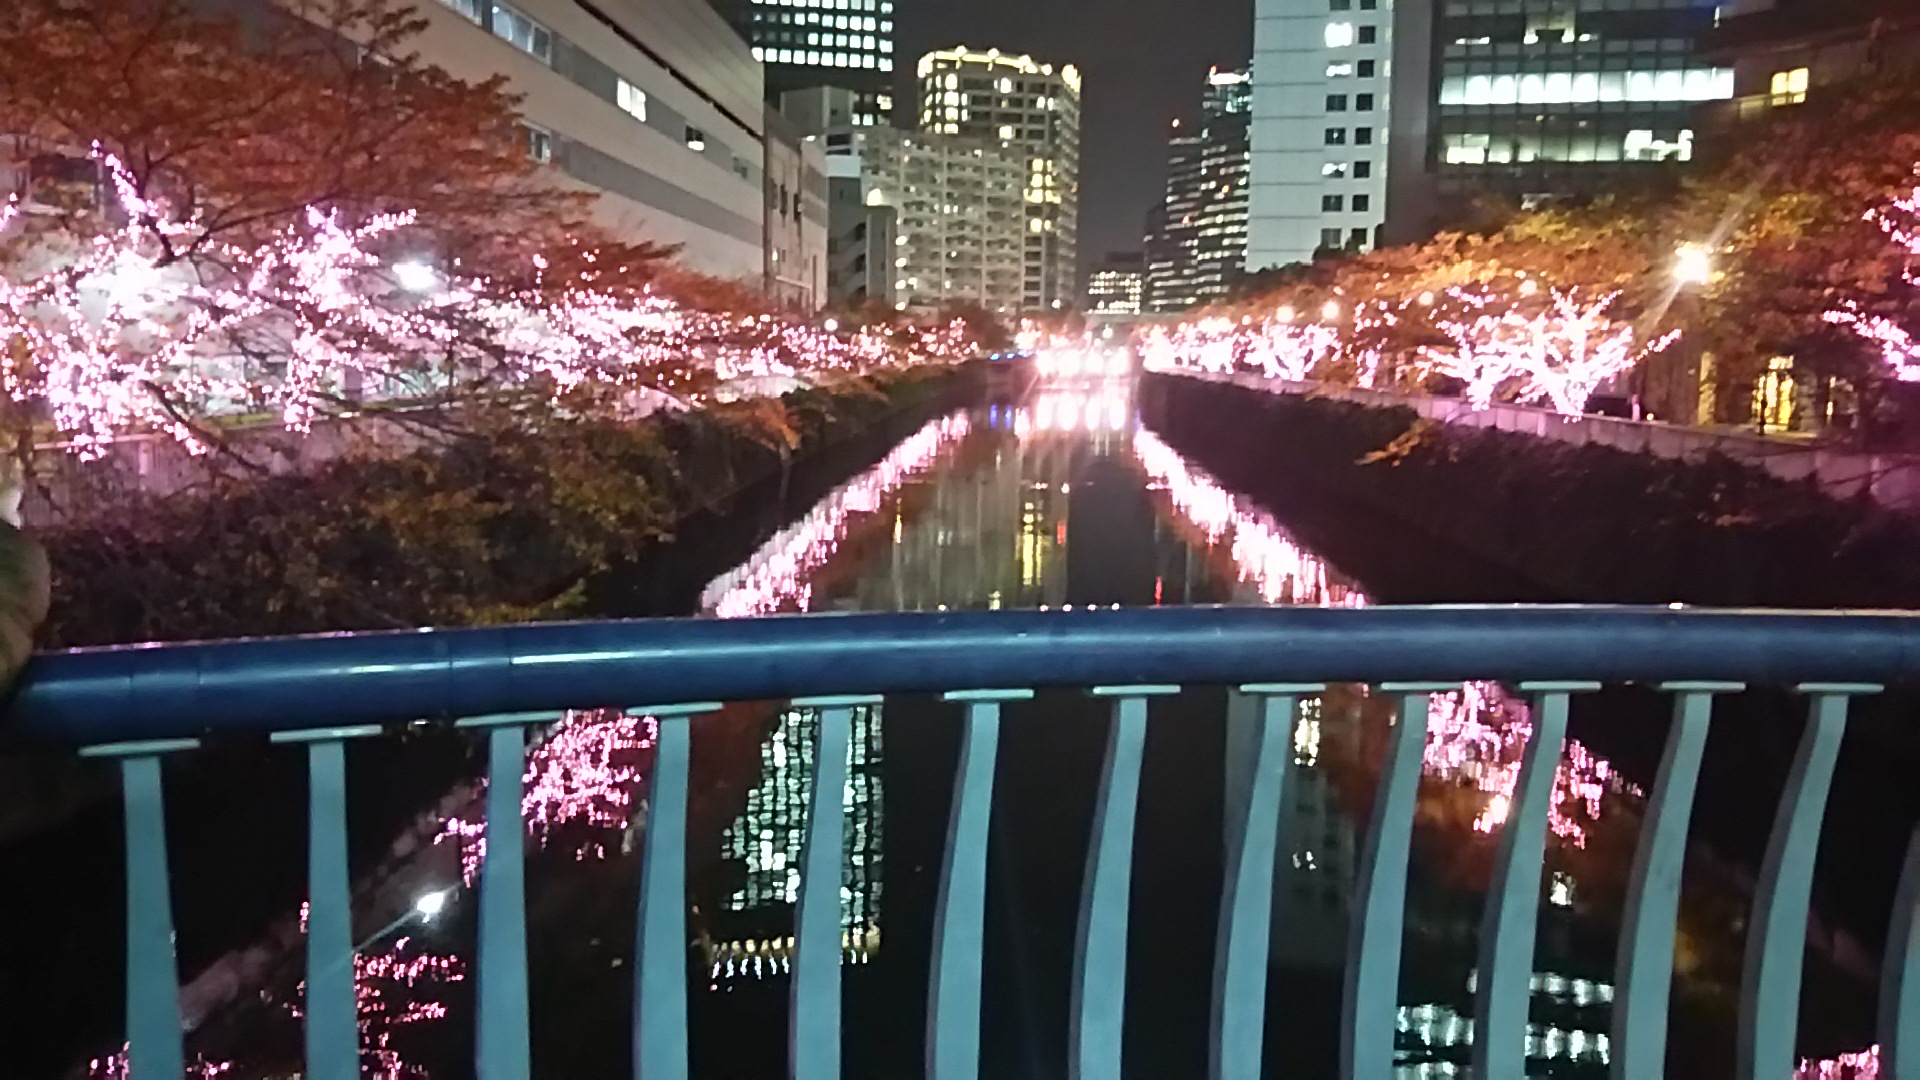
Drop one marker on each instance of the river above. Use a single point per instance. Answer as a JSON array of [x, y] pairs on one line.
[[1057, 499]]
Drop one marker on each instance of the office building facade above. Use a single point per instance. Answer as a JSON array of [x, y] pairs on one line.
[[811, 43], [795, 206], [655, 107], [1118, 286], [1033, 110], [1321, 76], [1201, 246], [959, 216], [1540, 99]]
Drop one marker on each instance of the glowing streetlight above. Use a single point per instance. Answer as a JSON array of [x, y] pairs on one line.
[[1426, 299], [831, 325], [1330, 310], [431, 904], [1693, 264]]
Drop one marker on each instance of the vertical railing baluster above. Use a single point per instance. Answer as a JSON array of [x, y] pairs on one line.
[[814, 1031], [1507, 930], [1644, 971], [1372, 988], [1246, 901], [660, 934], [1777, 932], [155, 1046], [332, 1024], [502, 1045], [959, 921], [1100, 960], [1899, 1012]]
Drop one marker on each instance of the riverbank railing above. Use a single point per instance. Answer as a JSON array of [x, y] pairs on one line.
[[137, 704]]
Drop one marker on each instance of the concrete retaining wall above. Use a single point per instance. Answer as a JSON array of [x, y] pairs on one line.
[[1892, 480]]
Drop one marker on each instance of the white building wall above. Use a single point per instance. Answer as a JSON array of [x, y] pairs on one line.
[[657, 183], [1305, 52]]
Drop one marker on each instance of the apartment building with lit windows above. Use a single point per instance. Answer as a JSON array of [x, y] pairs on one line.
[[1320, 100], [654, 105], [1199, 246], [1541, 99], [814, 43], [1033, 110], [1118, 286], [959, 218]]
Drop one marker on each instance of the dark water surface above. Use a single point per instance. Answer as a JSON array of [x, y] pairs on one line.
[[1057, 500]]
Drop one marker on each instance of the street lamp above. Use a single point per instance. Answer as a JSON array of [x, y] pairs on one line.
[[1693, 264], [425, 907]]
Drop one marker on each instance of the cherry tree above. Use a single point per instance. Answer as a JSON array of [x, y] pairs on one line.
[[1899, 347], [1564, 345]]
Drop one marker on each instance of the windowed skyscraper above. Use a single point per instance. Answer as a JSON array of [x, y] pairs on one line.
[[1033, 109], [808, 43], [1320, 95], [1200, 245], [1539, 99]]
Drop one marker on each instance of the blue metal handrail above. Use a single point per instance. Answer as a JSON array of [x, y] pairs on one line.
[[136, 704], [277, 684]]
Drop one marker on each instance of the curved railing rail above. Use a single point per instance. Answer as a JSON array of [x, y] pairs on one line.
[[136, 704]]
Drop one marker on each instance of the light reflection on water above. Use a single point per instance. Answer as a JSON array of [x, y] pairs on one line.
[[585, 777]]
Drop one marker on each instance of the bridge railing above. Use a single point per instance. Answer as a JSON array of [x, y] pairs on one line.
[[138, 704]]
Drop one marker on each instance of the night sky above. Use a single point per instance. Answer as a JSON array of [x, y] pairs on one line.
[[1143, 61]]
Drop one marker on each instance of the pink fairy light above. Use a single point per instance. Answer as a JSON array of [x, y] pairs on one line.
[[1859, 1065], [1476, 735], [1561, 353], [120, 335], [1899, 347], [777, 577], [584, 773]]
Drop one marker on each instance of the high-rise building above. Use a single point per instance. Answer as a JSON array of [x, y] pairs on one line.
[[656, 107], [1119, 286], [1201, 247], [1784, 51], [1320, 96], [1539, 99], [1033, 109], [959, 214], [808, 43]]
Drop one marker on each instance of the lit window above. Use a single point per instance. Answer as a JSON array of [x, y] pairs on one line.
[[522, 33], [1335, 169], [469, 8], [1790, 87], [631, 98], [1339, 71], [1339, 35], [539, 144], [696, 140]]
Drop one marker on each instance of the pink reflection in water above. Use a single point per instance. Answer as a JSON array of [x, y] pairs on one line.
[[1859, 1065], [1475, 735], [775, 579]]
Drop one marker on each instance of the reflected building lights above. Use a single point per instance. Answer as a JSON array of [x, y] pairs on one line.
[[1476, 734]]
